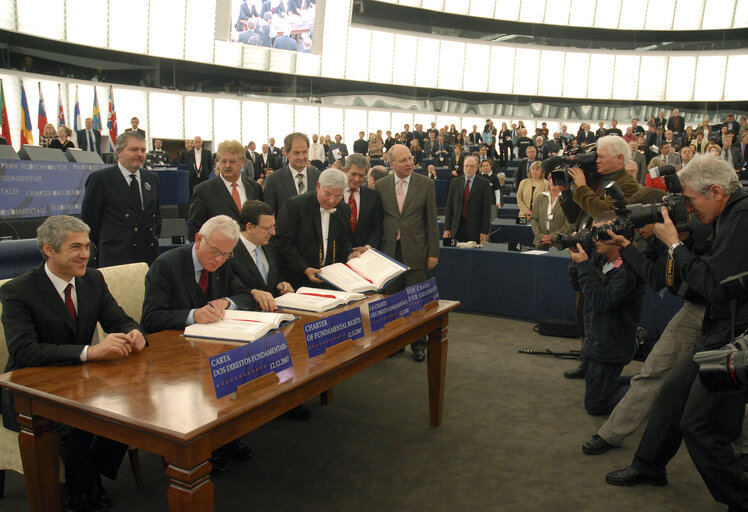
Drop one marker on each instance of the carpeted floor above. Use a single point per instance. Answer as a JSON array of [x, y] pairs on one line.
[[510, 440]]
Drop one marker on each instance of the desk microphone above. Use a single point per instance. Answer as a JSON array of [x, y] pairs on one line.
[[18, 237]]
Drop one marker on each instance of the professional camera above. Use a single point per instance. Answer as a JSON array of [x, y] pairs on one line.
[[726, 369], [584, 238], [558, 166], [669, 176]]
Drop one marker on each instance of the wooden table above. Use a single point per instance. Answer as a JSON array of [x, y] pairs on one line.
[[163, 400]]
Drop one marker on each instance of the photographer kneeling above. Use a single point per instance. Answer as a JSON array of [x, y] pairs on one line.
[[710, 422]]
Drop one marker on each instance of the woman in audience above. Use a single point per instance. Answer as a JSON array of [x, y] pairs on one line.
[[700, 142], [49, 135], [459, 140], [488, 140], [651, 182], [705, 127], [453, 133], [416, 151], [63, 139], [457, 160], [326, 145], [548, 219], [688, 137], [505, 143], [530, 189], [713, 149], [375, 146]]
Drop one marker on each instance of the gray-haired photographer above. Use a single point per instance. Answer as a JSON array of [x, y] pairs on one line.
[[710, 421]]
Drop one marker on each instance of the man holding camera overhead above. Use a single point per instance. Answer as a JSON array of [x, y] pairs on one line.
[[711, 421]]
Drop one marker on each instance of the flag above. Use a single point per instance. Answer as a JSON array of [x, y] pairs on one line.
[[60, 110], [41, 120], [77, 123], [5, 124], [26, 136], [96, 113], [111, 122]]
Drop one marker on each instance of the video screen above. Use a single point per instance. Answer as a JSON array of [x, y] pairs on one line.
[[283, 24]]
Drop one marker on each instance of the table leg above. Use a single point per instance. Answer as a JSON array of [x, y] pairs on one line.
[[190, 490], [437, 368], [41, 463]]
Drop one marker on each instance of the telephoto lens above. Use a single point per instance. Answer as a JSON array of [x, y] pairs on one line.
[[725, 369]]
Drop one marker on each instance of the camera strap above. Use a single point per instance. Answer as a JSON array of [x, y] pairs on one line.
[[669, 271]]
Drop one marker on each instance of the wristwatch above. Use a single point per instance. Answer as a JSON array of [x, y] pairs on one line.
[[673, 246]]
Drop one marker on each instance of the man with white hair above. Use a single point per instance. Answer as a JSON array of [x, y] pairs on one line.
[[313, 230]]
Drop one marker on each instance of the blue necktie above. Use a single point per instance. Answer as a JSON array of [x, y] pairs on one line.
[[261, 265]]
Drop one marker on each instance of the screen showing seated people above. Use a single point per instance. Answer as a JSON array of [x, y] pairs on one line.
[[283, 24]]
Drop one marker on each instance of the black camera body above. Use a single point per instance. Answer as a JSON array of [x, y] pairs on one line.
[[584, 238], [557, 167]]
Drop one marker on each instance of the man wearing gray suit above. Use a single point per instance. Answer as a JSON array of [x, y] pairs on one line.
[[411, 233], [293, 179]]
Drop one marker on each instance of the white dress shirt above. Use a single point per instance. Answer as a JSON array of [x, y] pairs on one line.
[[60, 285]]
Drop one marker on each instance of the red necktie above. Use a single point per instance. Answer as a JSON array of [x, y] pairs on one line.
[[465, 196], [69, 302], [203, 283], [354, 212], [235, 196]]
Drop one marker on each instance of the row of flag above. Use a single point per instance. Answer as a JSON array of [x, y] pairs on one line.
[[27, 137]]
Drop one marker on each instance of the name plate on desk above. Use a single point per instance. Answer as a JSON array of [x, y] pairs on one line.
[[327, 332], [421, 294], [233, 368], [383, 311]]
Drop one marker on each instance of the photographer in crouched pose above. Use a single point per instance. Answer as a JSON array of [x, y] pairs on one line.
[[613, 296]]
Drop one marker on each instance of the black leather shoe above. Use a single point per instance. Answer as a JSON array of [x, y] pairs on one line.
[[299, 413], [596, 446], [418, 356], [631, 476], [218, 464], [236, 450], [576, 373], [99, 499]]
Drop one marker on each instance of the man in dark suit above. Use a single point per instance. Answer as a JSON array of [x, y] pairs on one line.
[[200, 162], [468, 213], [430, 147], [158, 156], [360, 145], [183, 156], [267, 161], [255, 262], [191, 284], [731, 154], [409, 226], [253, 156], [337, 151], [294, 179], [49, 317], [585, 136], [365, 205], [313, 230], [134, 122], [121, 205], [485, 170], [475, 137], [524, 165], [442, 152], [224, 194], [89, 139], [676, 125]]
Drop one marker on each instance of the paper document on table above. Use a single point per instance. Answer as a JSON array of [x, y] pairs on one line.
[[369, 272]]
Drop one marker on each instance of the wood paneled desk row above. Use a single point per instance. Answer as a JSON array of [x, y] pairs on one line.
[[174, 412]]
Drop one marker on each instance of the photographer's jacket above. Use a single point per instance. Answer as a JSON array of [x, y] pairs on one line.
[[612, 307], [726, 258], [592, 200]]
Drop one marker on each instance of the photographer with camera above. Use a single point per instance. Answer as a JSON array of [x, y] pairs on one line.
[[677, 342], [709, 422], [589, 197], [613, 297]]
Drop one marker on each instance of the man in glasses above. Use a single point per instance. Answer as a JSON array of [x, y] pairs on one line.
[[255, 262], [708, 421], [226, 193]]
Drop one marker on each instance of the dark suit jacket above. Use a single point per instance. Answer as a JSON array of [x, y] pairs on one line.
[[475, 138], [40, 331], [478, 218], [139, 130], [299, 237], [245, 269], [343, 151], [737, 159], [281, 185], [83, 143], [456, 164], [676, 124], [122, 232], [269, 164], [212, 198], [197, 176], [589, 139], [171, 290], [369, 226], [245, 12], [522, 172]]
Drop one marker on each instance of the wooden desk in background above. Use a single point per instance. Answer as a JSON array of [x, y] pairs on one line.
[[163, 400]]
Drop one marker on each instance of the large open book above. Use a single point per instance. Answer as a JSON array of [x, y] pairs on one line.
[[367, 273], [239, 326], [316, 299]]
